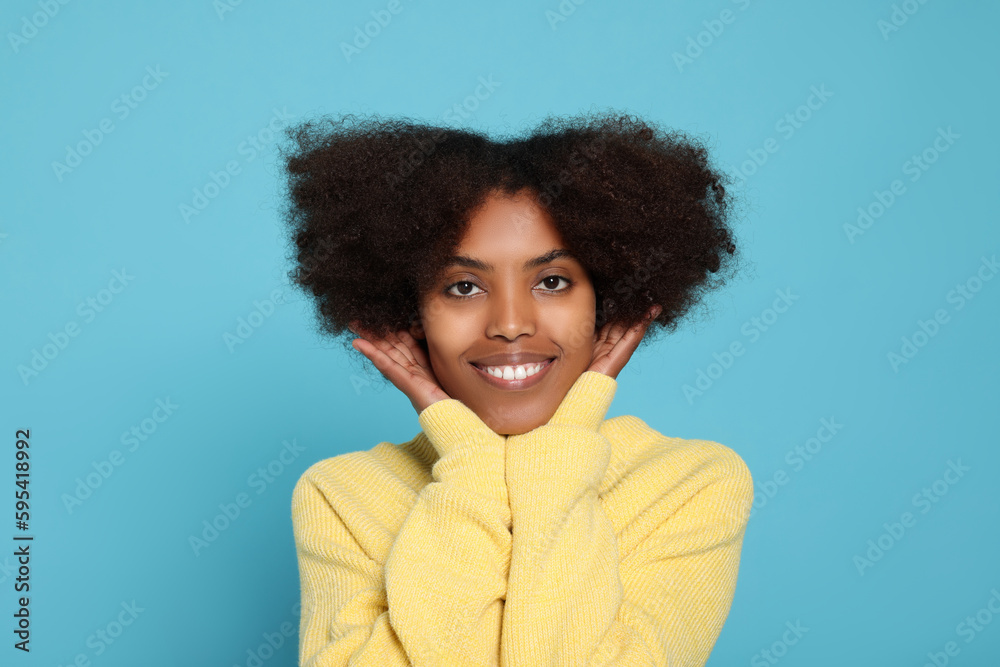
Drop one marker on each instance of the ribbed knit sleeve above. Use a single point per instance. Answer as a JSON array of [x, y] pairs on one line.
[[573, 598], [439, 599]]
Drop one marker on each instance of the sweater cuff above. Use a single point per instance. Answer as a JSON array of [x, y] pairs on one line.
[[450, 425], [587, 401]]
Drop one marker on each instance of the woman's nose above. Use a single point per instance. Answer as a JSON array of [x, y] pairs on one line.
[[511, 315]]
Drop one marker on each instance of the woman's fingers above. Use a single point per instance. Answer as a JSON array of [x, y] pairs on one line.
[[616, 344], [419, 356], [400, 344], [398, 374], [404, 348], [381, 360], [394, 349], [402, 362], [397, 348]]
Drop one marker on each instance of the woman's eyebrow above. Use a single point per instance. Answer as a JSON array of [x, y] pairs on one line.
[[473, 263]]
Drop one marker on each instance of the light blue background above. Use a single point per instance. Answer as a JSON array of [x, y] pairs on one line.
[[163, 335]]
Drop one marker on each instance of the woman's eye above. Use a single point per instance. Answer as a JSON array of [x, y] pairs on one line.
[[464, 283], [463, 288], [553, 285]]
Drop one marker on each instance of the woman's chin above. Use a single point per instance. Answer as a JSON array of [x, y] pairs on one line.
[[514, 425]]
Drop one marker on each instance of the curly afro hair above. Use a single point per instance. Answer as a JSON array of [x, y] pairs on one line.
[[374, 206]]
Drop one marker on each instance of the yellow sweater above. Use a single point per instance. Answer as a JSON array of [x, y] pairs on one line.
[[582, 542]]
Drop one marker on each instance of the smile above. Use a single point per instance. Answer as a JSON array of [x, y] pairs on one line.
[[514, 377]]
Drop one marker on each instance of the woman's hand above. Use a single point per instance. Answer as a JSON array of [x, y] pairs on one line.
[[403, 362], [614, 345]]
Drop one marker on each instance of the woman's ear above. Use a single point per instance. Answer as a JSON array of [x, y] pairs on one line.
[[417, 330]]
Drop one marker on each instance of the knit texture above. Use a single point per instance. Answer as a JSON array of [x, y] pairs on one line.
[[582, 542]]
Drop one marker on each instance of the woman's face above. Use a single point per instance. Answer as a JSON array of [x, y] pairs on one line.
[[510, 290]]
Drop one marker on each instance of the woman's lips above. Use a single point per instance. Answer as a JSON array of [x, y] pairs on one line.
[[523, 383]]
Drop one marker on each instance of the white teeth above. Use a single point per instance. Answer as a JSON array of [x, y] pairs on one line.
[[513, 372]]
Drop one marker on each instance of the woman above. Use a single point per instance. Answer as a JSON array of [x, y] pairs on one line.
[[502, 287]]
